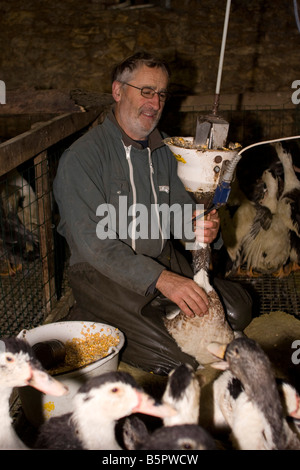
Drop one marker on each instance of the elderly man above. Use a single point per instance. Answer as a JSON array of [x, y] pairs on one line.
[[105, 180]]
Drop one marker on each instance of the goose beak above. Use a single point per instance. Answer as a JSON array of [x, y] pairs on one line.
[[218, 350], [147, 405], [43, 382]]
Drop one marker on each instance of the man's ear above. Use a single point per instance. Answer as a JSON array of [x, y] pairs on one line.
[[116, 90]]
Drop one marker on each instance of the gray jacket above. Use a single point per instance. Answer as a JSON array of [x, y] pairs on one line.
[[101, 179]]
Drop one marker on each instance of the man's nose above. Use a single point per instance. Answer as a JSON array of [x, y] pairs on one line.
[[156, 102]]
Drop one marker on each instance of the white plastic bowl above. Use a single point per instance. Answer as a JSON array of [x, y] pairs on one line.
[[39, 407]]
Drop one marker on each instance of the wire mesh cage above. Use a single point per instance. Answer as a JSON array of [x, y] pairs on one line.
[[34, 257]]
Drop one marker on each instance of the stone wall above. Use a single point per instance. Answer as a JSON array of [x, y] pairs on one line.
[[69, 44]]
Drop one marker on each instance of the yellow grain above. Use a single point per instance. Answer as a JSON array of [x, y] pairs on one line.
[[86, 349]]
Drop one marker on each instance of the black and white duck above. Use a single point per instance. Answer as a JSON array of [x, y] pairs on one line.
[[179, 437], [97, 406], [247, 399], [290, 208], [261, 237], [19, 368], [183, 394]]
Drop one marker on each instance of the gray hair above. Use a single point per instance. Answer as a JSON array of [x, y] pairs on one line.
[[122, 71]]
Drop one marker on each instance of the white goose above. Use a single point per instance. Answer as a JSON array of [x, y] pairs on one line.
[[98, 405], [247, 400], [19, 368]]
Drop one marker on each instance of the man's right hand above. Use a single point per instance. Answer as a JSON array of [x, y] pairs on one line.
[[189, 297]]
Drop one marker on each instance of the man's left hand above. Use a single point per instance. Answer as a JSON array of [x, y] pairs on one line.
[[207, 228]]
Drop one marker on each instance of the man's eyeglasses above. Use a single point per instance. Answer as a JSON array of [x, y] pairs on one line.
[[147, 92]]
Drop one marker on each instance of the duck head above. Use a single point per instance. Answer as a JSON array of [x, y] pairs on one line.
[[19, 368]]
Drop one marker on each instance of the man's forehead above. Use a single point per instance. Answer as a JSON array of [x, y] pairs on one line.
[[150, 76]]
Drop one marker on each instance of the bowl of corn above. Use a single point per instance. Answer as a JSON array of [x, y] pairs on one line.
[[90, 349]]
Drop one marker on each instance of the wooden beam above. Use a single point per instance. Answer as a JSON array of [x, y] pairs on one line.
[[45, 227], [21, 148]]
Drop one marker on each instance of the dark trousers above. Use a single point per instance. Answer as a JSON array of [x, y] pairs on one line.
[[148, 345]]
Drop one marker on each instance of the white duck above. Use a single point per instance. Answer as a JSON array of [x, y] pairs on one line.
[[19, 368], [98, 405], [247, 400], [193, 335]]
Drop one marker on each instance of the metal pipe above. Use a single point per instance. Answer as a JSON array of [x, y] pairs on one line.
[[221, 59]]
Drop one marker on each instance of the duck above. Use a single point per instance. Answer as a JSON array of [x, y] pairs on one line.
[[247, 399], [182, 393], [179, 437], [193, 334], [25, 196], [97, 406], [262, 229], [189, 436], [18, 243], [290, 208], [20, 368], [265, 248]]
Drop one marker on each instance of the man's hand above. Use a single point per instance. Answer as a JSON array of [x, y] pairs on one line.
[[206, 228], [184, 292]]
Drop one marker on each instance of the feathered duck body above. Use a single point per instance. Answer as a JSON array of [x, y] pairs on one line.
[[266, 246], [183, 394], [193, 335], [247, 399], [97, 406], [261, 228], [19, 368], [290, 212]]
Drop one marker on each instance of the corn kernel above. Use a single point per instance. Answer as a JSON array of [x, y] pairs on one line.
[[85, 350]]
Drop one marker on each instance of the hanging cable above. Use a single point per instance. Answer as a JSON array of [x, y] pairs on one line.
[[296, 15]]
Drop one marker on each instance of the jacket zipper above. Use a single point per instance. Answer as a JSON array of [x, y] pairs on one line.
[[134, 201], [155, 196], [134, 198]]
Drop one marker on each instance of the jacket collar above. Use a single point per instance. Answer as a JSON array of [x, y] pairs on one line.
[[155, 138]]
